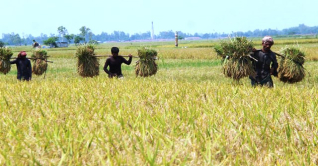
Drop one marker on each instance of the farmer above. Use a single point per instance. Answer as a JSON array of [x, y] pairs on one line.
[[23, 67], [265, 64], [35, 44], [114, 62]]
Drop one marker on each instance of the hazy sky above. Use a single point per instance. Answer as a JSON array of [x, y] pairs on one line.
[[135, 16]]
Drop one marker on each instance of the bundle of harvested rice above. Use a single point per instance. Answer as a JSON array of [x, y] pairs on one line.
[[88, 63], [5, 55], [236, 56], [290, 68], [219, 51], [146, 65], [238, 68], [39, 58]]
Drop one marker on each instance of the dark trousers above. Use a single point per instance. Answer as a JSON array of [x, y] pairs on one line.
[[265, 82], [24, 78]]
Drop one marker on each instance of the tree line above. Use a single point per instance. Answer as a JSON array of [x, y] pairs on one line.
[[86, 35]]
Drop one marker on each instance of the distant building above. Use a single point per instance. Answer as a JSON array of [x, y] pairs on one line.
[[60, 44]]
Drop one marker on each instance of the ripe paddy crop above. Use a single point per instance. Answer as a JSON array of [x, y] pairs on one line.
[[187, 114]]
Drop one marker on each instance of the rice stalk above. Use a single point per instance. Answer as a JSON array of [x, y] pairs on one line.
[[39, 59], [5, 55], [87, 64], [235, 53], [238, 68], [291, 68], [146, 65], [219, 51]]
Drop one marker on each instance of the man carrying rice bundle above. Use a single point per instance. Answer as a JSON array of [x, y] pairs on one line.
[[114, 62], [36, 44], [265, 64], [23, 66]]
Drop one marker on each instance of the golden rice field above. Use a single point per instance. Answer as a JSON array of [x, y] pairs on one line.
[[187, 114]]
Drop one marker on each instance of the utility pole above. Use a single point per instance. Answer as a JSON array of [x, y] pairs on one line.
[[152, 32], [176, 38]]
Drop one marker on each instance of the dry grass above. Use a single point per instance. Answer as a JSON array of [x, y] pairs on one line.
[[291, 63], [104, 121], [87, 63], [146, 65], [235, 53], [39, 61], [5, 55]]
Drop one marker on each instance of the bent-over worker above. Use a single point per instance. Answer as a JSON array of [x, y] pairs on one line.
[[35, 44]]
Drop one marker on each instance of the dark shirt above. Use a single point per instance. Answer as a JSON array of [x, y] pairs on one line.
[[265, 61], [35, 44], [24, 68], [115, 65]]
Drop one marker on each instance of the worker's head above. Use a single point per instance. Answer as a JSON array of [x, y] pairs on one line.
[[267, 43], [268, 39], [115, 51], [22, 54], [33, 40]]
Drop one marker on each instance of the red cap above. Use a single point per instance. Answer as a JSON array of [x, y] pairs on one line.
[[23, 53]]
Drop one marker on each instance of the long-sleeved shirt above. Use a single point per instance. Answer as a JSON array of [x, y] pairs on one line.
[[266, 61], [24, 68], [114, 64]]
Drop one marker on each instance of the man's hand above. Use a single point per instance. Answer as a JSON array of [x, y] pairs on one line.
[[272, 71], [130, 55]]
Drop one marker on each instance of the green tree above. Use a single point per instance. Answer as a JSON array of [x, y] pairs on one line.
[[84, 32], [78, 39], [90, 36], [180, 37], [62, 31], [51, 41], [2, 44], [291, 33], [93, 42], [69, 37], [16, 39]]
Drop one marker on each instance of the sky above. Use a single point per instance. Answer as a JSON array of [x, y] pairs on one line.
[[38, 17]]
